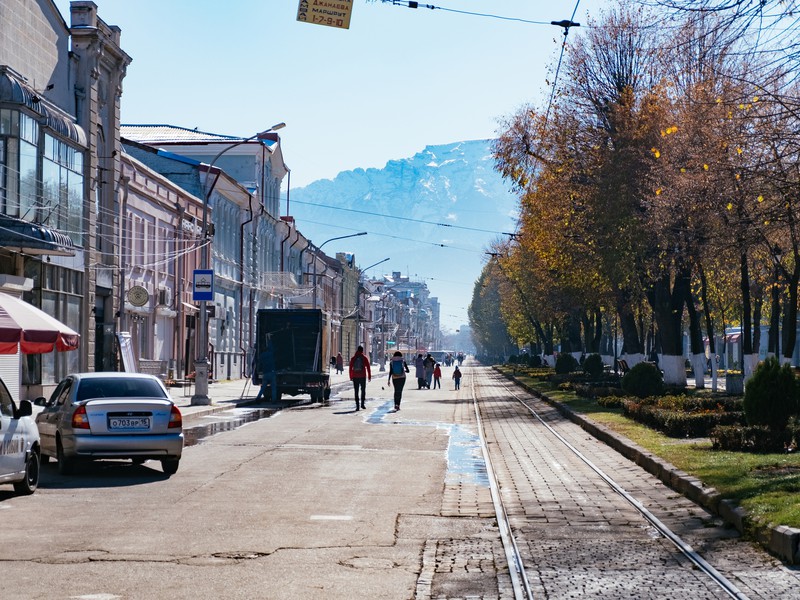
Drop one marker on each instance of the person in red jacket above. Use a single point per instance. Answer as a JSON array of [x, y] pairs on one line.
[[437, 376], [360, 373]]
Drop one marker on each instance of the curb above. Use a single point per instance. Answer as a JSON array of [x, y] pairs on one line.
[[781, 541]]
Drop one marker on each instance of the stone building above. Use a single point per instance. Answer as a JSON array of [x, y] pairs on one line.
[[60, 89]]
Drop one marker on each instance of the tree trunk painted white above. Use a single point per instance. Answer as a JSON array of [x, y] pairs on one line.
[[633, 359], [549, 360], [786, 361], [750, 363], [577, 356], [714, 375], [699, 362], [674, 369], [608, 360]]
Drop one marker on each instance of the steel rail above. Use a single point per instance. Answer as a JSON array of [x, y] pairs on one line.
[[516, 568], [723, 582]]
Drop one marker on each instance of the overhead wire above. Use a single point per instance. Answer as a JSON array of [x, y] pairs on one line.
[[399, 218]]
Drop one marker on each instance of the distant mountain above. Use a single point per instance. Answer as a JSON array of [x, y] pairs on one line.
[[433, 214]]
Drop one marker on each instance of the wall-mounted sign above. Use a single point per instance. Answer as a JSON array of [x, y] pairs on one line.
[[331, 13], [138, 296], [203, 288]]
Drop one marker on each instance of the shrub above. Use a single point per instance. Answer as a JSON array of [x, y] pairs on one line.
[[755, 438], [681, 416], [566, 363], [536, 360], [771, 395], [593, 365], [610, 401], [643, 380]]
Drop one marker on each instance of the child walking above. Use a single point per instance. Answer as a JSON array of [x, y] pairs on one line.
[[437, 376], [457, 377]]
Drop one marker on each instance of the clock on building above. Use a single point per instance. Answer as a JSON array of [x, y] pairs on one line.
[[138, 296]]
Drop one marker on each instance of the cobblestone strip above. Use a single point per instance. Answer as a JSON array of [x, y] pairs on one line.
[[465, 567], [577, 535], [754, 572]]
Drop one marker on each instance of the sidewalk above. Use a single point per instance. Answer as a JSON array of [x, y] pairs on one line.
[[230, 393]]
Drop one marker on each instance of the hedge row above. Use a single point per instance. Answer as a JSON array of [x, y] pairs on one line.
[[679, 416], [755, 438]]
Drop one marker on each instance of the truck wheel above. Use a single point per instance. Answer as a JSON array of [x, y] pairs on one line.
[[31, 481]]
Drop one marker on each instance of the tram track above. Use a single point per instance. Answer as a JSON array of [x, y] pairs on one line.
[[512, 539]]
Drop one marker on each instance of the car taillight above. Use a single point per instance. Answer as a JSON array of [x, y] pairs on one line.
[[175, 418], [80, 420]]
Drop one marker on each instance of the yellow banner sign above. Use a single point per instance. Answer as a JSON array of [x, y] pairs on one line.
[[331, 13]]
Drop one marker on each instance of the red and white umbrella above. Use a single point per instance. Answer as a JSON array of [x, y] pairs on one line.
[[26, 329]]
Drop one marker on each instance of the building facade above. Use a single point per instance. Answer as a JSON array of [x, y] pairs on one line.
[[60, 89]]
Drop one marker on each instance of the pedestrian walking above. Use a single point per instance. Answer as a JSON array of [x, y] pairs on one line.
[[429, 364], [419, 367], [397, 377], [339, 364], [437, 376], [360, 373], [457, 377]]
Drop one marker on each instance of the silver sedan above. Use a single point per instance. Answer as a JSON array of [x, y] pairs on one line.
[[110, 415]]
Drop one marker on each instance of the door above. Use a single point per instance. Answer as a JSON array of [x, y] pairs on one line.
[[48, 418], [12, 442]]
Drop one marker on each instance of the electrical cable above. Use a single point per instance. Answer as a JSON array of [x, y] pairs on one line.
[[408, 219]]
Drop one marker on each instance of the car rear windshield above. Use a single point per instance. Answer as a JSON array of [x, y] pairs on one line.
[[119, 388]]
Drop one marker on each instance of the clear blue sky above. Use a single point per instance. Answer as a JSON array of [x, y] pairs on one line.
[[398, 80]]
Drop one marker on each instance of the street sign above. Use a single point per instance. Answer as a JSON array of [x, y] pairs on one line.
[[203, 285], [331, 13]]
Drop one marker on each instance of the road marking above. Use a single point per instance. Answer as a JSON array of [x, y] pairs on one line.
[[319, 447]]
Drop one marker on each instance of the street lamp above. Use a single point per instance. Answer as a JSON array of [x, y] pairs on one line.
[[200, 397], [316, 253], [358, 298]]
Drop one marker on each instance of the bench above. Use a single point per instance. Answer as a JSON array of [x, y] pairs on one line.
[[622, 364]]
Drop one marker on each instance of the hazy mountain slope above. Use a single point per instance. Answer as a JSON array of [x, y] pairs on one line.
[[451, 205]]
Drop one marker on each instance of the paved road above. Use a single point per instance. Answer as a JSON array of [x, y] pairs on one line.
[[325, 502]]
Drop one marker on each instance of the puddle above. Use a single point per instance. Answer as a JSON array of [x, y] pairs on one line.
[[465, 462], [224, 421]]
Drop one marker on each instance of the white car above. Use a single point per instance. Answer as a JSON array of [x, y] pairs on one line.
[[19, 444]]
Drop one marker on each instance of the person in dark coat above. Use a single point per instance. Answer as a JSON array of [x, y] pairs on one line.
[[457, 377], [419, 367], [339, 364], [430, 364]]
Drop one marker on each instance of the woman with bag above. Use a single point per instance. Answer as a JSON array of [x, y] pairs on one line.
[[397, 377]]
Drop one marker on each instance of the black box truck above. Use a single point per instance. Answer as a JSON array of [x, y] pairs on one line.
[[290, 353]]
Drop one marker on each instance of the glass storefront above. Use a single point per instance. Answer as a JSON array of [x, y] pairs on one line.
[[58, 292], [41, 176]]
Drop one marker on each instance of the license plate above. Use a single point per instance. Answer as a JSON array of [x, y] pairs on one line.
[[129, 422]]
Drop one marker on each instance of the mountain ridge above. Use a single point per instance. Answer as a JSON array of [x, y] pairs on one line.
[[445, 204]]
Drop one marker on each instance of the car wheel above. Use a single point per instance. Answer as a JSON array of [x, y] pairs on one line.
[[65, 465], [31, 481], [170, 465]]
